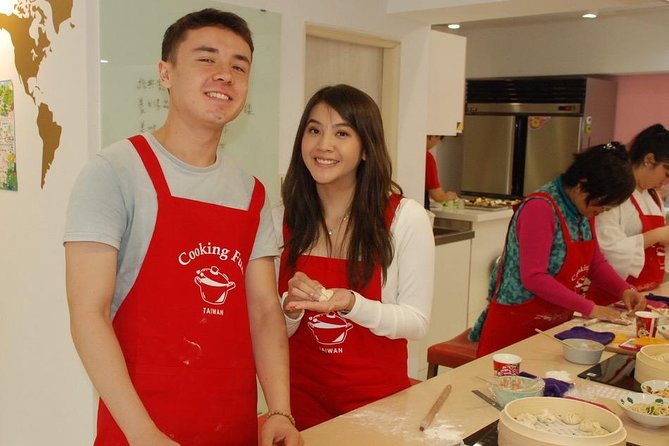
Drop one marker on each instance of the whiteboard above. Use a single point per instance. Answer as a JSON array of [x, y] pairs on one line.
[[133, 101]]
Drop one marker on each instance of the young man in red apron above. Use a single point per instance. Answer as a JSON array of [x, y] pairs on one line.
[[652, 273], [176, 365], [335, 363]]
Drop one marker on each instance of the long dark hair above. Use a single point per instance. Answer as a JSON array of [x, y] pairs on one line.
[[655, 140], [604, 173], [370, 240]]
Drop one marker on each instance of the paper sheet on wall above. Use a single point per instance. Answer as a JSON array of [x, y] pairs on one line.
[[8, 180]]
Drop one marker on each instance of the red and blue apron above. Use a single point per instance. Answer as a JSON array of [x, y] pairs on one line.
[[184, 326], [337, 365], [507, 324], [652, 273]]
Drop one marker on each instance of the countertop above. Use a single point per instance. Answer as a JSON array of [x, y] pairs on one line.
[[394, 420], [444, 235], [474, 215]]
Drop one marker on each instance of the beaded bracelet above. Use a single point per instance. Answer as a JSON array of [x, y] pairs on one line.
[[283, 414]]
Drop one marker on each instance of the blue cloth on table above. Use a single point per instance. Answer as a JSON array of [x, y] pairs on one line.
[[603, 337], [554, 387], [657, 297]]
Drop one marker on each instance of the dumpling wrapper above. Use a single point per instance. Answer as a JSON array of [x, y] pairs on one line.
[[325, 295]]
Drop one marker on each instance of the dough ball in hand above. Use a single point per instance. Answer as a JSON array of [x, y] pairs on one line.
[[325, 295]]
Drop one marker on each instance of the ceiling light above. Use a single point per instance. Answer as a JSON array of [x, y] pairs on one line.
[[590, 15], [453, 26]]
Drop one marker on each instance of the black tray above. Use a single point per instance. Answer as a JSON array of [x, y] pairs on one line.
[[617, 371]]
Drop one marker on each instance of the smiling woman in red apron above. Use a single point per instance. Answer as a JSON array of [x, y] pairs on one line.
[[633, 235], [551, 250], [356, 271]]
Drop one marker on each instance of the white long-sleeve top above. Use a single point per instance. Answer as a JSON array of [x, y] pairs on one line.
[[620, 237], [406, 302]]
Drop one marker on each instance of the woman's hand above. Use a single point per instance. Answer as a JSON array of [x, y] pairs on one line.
[[657, 235], [305, 293], [607, 314], [633, 300], [300, 288]]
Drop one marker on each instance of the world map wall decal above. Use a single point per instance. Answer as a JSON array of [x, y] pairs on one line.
[[30, 24]]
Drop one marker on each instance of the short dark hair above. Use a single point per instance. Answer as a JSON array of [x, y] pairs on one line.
[[604, 173], [655, 140], [174, 34]]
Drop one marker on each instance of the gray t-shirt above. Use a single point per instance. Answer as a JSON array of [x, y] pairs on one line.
[[114, 202]]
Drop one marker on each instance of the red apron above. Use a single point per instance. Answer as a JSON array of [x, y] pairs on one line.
[[337, 365], [184, 327], [506, 324], [652, 273]]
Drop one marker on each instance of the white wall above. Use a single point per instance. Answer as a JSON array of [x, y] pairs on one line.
[[45, 396], [636, 43], [369, 18]]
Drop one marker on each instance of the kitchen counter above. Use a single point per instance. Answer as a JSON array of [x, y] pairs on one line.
[[443, 235], [475, 215]]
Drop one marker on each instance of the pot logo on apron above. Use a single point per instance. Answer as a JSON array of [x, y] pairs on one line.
[[329, 328], [213, 284]]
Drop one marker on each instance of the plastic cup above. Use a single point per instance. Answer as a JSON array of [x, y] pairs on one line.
[[646, 324], [506, 364]]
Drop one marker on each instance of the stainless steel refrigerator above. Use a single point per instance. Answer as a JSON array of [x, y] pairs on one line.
[[521, 133]]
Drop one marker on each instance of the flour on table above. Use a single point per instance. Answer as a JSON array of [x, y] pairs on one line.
[[440, 433]]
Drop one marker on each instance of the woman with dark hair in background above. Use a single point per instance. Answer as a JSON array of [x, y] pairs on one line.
[[633, 236], [550, 250], [357, 267]]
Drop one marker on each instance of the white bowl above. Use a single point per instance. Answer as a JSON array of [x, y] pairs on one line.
[[644, 418], [582, 351], [515, 433], [656, 387], [509, 388], [663, 330]]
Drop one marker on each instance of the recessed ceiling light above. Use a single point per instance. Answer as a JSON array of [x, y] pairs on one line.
[[454, 26], [590, 15]]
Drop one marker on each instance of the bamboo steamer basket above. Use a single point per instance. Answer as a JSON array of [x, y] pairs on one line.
[[647, 367], [514, 433]]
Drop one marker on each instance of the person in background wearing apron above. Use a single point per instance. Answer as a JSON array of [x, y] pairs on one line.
[[633, 236], [170, 251], [433, 190], [357, 267], [551, 250]]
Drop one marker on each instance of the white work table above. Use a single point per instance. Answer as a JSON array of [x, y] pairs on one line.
[[394, 420]]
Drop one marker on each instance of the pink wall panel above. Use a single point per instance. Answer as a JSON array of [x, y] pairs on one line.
[[643, 100]]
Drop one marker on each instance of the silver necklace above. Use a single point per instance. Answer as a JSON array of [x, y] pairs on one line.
[[330, 231]]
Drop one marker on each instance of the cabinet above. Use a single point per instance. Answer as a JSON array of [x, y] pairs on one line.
[[487, 246], [446, 101], [449, 305], [488, 243]]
